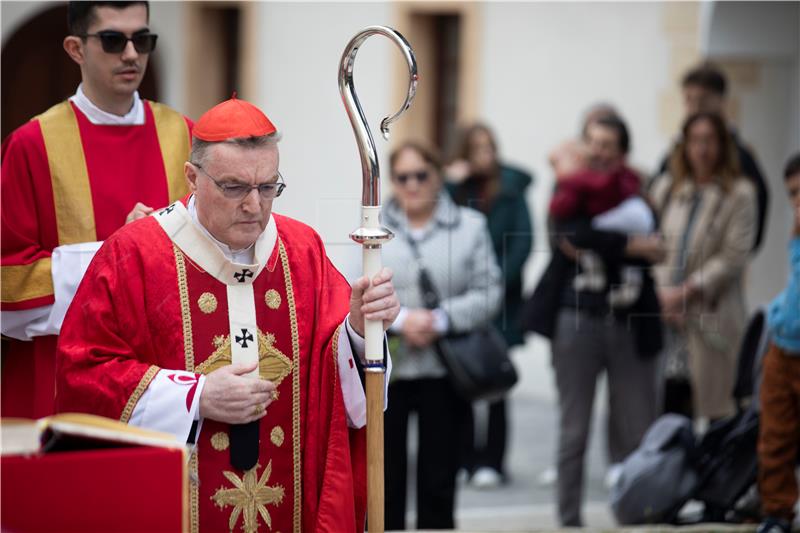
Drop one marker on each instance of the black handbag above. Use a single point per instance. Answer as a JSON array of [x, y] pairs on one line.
[[477, 361]]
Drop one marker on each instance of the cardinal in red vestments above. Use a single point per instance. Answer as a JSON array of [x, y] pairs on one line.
[[226, 325]]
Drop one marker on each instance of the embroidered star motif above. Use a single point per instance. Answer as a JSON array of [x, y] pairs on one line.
[[249, 496], [244, 274]]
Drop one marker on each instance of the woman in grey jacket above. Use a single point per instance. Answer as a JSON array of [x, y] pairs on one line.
[[454, 246]]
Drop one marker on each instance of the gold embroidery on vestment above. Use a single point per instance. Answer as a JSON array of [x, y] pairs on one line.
[[249, 497], [207, 302], [273, 365], [220, 441], [277, 436], [272, 298], [219, 340]]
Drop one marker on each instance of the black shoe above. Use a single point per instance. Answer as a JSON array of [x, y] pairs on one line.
[[774, 525]]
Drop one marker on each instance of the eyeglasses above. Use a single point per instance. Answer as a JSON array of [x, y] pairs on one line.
[[240, 191], [114, 42], [421, 177]]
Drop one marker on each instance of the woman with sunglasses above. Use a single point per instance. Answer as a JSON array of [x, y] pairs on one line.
[[452, 245]]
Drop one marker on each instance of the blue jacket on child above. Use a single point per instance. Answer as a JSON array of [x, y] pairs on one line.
[[783, 317]]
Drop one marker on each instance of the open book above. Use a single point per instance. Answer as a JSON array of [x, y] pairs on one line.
[[75, 431]]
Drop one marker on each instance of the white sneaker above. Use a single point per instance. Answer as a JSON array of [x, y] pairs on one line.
[[548, 477], [486, 478], [613, 474]]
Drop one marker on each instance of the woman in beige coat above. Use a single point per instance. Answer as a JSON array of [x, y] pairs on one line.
[[708, 219]]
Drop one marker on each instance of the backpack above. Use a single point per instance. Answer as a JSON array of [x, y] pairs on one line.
[[659, 477]]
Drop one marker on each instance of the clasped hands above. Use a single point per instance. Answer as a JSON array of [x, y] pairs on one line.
[[230, 396]]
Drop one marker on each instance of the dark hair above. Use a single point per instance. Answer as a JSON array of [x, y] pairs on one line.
[[80, 15], [792, 166], [707, 76], [616, 123], [727, 167], [428, 155], [595, 112], [465, 139]]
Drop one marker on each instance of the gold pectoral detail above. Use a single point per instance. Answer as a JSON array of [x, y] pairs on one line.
[[273, 365]]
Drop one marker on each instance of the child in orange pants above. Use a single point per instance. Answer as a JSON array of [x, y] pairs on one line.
[[779, 432]]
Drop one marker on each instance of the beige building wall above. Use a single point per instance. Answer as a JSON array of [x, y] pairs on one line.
[[545, 63], [529, 70]]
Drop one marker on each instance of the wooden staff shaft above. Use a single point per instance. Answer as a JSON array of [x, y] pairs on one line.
[[375, 374], [375, 502]]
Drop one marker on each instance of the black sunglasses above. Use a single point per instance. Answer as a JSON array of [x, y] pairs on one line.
[[421, 177], [114, 42]]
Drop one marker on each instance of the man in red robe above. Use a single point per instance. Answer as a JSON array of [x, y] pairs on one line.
[[71, 177], [226, 325]]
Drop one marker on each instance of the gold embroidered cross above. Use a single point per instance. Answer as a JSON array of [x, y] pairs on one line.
[[250, 496]]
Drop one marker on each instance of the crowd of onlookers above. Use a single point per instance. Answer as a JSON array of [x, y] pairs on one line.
[[645, 284]]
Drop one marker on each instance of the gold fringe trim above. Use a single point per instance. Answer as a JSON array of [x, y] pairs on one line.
[[137, 393], [186, 308], [188, 348], [194, 494], [298, 485]]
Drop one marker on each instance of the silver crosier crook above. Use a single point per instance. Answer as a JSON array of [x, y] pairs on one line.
[[371, 235]]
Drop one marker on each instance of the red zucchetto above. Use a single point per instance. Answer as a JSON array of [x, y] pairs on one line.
[[232, 119]]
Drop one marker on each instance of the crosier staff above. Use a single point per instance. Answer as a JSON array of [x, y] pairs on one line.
[[371, 235]]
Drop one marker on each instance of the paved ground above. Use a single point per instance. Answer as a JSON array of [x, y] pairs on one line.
[[524, 504]]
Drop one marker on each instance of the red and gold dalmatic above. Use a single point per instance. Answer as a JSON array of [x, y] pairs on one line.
[[67, 181], [148, 304]]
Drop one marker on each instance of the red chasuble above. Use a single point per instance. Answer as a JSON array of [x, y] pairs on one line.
[[66, 181], [152, 300]]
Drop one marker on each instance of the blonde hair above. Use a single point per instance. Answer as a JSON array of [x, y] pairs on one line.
[[726, 169]]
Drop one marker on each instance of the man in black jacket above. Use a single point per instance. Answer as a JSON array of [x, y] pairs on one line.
[[591, 334], [704, 89]]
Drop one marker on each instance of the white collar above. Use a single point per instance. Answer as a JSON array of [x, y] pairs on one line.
[[245, 256], [134, 117], [196, 242]]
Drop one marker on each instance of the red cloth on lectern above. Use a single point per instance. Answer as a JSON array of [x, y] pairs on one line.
[[124, 165], [95, 491], [128, 320]]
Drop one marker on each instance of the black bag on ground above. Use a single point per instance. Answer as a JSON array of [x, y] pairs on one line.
[[659, 477], [729, 463], [728, 458]]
